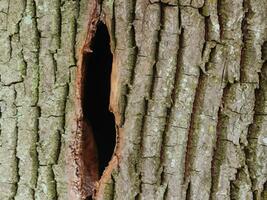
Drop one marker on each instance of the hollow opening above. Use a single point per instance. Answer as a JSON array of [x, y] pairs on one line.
[[98, 65]]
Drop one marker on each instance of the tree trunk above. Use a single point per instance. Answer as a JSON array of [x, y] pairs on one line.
[[188, 92]]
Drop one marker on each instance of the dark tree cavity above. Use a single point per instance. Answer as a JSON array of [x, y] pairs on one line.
[[96, 95]]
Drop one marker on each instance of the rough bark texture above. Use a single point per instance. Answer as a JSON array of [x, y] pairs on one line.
[[38, 40], [189, 95]]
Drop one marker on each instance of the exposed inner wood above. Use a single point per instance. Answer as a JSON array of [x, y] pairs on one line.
[[83, 148], [98, 123], [97, 93]]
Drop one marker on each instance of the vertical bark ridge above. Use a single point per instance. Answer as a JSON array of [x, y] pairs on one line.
[[204, 123], [256, 149], [35, 72], [119, 17], [213, 29], [9, 156], [150, 145], [231, 37], [28, 111], [48, 148], [56, 55], [128, 178], [124, 15], [229, 157], [8, 142], [159, 103], [232, 17], [188, 61], [254, 37], [202, 133], [231, 178]]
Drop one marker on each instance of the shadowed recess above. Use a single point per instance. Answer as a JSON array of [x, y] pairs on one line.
[[96, 95]]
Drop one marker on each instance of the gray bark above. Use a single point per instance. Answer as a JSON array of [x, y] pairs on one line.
[[189, 95]]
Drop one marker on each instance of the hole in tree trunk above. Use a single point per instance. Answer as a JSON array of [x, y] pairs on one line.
[[98, 65]]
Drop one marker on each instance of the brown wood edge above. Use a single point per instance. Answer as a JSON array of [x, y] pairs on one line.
[[75, 164], [106, 178], [74, 160]]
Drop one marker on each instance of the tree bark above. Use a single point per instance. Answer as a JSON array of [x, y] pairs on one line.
[[188, 92]]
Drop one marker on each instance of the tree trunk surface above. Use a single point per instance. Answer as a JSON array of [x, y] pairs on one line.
[[188, 92]]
